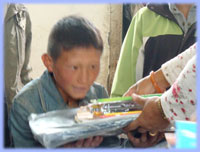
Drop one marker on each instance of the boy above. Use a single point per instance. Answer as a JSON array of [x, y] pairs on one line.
[[73, 62]]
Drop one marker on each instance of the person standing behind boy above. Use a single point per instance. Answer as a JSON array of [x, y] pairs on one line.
[[17, 49], [72, 60], [157, 33]]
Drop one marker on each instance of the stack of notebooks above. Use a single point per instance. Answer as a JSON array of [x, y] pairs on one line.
[[104, 117]]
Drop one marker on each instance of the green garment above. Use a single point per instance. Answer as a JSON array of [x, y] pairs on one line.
[[145, 26]]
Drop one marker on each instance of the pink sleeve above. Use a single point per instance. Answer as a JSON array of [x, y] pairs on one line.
[[179, 102], [173, 67]]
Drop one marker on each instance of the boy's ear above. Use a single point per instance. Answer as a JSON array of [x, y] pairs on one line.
[[48, 62]]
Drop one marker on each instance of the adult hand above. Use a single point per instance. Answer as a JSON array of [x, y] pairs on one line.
[[149, 123], [89, 142], [151, 118], [143, 86], [146, 139]]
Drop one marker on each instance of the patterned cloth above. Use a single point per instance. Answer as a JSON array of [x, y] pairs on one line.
[[179, 102]]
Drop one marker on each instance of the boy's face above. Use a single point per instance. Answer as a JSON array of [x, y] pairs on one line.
[[75, 71]]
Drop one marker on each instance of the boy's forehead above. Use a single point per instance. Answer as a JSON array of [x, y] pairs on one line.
[[74, 48], [81, 49], [76, 52]]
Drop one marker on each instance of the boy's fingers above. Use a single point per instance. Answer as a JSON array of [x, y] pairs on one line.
[[88, 142], [79, 143], [97, 141]]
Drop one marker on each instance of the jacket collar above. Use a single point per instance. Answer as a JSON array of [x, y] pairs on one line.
[[13, 9], [163, 10]]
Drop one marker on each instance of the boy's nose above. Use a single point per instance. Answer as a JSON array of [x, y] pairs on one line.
[[84, 77]]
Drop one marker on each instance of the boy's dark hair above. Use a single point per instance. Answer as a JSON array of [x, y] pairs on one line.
[[71, 32]]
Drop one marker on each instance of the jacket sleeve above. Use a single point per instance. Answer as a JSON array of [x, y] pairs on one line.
[[26, 68], [125, 74], [173, 67], [19, 126], [10, 59]]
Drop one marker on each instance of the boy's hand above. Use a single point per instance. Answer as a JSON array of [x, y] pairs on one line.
[[89, 142]]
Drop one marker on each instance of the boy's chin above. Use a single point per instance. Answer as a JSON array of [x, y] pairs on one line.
[[78, 97]]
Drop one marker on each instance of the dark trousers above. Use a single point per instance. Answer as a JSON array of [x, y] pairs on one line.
[[7, 138]]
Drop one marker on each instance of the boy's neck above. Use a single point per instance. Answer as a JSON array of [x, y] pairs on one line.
[[72, 103]]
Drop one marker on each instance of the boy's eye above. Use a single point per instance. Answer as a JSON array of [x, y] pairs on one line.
[[93, 67], [74, 67]]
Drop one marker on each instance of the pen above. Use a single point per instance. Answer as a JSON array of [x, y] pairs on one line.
[[106, 115]]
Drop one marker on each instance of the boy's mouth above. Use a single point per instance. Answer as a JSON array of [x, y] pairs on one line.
[[80, 89]]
